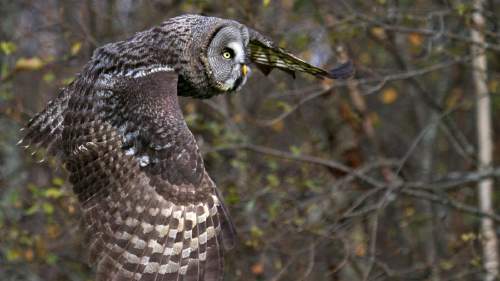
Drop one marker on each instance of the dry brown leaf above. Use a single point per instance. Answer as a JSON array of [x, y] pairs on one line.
[[415, 39], [389, 95]]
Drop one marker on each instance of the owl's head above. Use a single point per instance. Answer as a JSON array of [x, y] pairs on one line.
[[211, 55], [226, 59]]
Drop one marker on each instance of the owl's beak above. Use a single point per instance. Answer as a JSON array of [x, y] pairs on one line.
[[244, 69]]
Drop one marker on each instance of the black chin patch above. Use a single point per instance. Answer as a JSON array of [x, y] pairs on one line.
[[237, 83]]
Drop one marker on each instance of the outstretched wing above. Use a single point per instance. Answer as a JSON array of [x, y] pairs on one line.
[[150, 210], [267, 56]]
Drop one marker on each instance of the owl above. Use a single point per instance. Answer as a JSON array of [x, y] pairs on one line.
[[150, 210]]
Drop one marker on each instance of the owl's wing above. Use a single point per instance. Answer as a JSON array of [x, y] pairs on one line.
[[150, 210], [267, 56], [44, 130]]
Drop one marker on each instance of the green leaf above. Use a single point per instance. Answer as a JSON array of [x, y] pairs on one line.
[[273, 165], [31, 210], [461, 9], [296, 151], [51, 259], [311, 184], [284, 106], [48, 77], [13, 197], [48, 208], [57, 181], [35, 190], [7, 47], [53, 193], [274, 210], [13, 255], [232, 198], [256, 232], [273, 180], [4, 70], [34, 63], [75, 48]]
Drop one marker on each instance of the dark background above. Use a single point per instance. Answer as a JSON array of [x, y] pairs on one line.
[[371, 179]]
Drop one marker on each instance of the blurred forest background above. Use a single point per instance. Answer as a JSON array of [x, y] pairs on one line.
[[375, 178]]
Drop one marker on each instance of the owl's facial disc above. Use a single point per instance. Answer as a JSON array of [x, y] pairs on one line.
[[227, 59]]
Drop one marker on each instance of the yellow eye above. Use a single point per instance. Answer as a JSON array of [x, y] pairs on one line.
[[227, 54]]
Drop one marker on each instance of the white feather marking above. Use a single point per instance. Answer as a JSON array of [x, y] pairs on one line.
[[177, 248], [171, 267], [180, 155], [178, 213], [162, 230], [183, 270], [108, 78], [144, 160], [131, 151], [203, 238], [154, 211], [145, 260], [203, 217], [146, 227], [181, 224], [239, 53], [131, 257], [186, 253], [194, 244], [167, 212], [123, 235], [213, 210], [210, 232], [151, 267], [131, 222], [104, 94], [172, 233], [115, 248], [147, 71], [168, 252], [139, 209], [155, 246], [191, 216], [138, 243]]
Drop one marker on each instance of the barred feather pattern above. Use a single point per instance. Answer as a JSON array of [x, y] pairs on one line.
[[44, 130], [134, 233], [143, 225], [266, 56]]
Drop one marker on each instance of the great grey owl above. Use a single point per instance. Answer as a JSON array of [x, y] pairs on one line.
[[150, 210]]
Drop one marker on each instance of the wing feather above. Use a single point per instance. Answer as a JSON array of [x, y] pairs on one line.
[[44, 130], [266, 56], [150, 210]]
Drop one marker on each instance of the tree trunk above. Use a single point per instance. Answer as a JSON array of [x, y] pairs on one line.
[[485, 143]]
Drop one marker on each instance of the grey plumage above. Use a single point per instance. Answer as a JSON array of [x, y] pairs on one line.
[[150, 210]]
